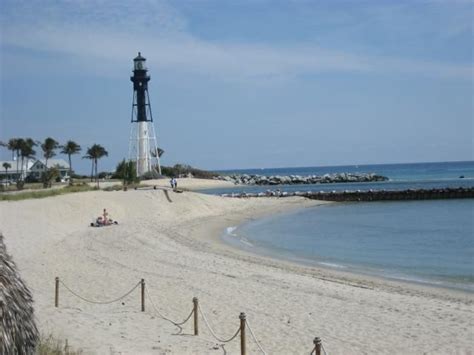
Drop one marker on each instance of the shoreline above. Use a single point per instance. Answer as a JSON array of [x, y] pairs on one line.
[[214, 229], [234, 242], [172, 240]]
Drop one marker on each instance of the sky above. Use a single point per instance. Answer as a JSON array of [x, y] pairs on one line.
[[244, 83]]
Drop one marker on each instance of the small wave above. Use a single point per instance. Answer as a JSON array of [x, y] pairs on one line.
[[468, 286], [231, 230], [246, 242], [413, 279], [332, 265]]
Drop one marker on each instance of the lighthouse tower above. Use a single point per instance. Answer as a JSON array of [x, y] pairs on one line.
[[143, 148]]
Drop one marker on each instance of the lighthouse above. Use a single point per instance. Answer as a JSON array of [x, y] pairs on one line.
[[143, 147]]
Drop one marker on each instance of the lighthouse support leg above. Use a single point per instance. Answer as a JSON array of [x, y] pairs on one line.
[[143, 154]]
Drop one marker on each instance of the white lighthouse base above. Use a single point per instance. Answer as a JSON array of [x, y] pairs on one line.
[[143, 148]]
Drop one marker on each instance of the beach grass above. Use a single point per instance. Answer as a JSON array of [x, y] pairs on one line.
[[49, 345], [27, 186], [45, 193], [134, 186]]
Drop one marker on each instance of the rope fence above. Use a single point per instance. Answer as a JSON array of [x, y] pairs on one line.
[[92, 301], [255, 339], [178, 324], [213, 333], [196, 311]]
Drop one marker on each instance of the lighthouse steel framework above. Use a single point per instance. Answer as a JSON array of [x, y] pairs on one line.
[[143, 147]]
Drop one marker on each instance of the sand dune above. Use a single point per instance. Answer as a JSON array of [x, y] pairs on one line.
[[175, 247]]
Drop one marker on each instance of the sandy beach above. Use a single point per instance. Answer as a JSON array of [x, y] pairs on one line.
[[172, 240], [192, 184]]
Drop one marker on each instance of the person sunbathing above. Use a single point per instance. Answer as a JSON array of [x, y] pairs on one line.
[[103, 220]]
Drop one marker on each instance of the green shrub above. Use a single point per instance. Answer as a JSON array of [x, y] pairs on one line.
[[20, 184], [45, 193], [151, 175], [126, 172], [48, 176], [184, 170]]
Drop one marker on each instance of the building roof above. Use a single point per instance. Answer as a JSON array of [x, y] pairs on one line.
[[53, 162], [26, 165]]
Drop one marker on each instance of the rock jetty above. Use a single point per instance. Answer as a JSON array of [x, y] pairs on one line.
[[370, 195], [246, 179]]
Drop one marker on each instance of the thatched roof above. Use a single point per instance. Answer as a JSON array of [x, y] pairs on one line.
[[18, 332]]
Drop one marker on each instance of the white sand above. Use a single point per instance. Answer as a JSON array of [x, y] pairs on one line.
[[192, 183], [183, 183], [175, 247]]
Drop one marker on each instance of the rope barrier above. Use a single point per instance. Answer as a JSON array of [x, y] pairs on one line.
[[212, 332], [322, 346], [255, 338], [240, 330], [100, 302], [178, 324]]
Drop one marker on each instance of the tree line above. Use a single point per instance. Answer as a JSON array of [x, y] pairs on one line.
[[23, 149]]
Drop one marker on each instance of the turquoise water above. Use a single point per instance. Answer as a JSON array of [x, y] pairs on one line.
[[430, 242]]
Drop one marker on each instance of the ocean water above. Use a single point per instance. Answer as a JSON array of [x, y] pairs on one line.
[[396, 172], [428, 242], [401, 177]]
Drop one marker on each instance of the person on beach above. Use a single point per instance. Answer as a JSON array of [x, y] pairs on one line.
[[175, 184], [172, 183], [105, 219]]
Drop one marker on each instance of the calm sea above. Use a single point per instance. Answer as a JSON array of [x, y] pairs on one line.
[[429, 242], [402, 176]]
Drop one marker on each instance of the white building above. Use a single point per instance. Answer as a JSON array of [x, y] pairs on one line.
[[32, 169]]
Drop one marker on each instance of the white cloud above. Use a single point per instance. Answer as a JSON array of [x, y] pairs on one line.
[[105, 34]]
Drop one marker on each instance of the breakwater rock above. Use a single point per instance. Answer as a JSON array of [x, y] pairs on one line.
[[246, 179], [370, 195]]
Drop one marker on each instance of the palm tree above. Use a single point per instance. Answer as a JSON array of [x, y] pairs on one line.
[[26, 152], [94, 153], [70, 148], [14, 145], [49, 146], [6, 166]]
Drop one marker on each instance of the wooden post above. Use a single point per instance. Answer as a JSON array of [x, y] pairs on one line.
[[195, 310], [242, 318], [56, 292], [317, 346], [143, 295]]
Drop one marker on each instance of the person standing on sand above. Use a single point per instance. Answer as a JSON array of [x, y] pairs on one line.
[[175, 184]]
